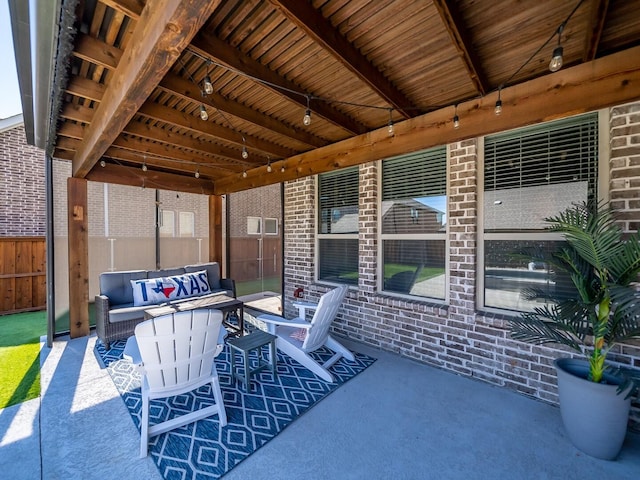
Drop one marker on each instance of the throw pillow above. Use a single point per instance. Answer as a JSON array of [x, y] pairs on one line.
[[153, 291]]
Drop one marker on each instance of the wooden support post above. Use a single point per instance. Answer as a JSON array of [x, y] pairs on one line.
[[78, 257], [215, 229]]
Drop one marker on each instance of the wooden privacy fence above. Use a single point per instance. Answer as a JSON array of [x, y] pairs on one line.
[[22, 274]]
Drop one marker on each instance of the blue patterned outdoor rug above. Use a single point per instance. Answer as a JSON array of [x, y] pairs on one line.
[[203, 450]]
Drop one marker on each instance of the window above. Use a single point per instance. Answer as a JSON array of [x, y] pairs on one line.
[[338, 226], [254, 225], [270, 226], [531, 174], [187, 224], [413, 224], [167, 223]]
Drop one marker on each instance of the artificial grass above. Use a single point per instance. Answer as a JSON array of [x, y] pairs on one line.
[[20, 356]]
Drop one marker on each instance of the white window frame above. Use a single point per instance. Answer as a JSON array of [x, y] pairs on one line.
[[603, 193], [182, 216], [330, 236], [273, 221], [167, 227], [254, 221], [419, 236]]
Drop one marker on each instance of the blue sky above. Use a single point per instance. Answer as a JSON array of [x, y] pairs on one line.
[[10, 94]]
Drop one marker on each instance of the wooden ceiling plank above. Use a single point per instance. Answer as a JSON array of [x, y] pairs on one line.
[[323, 33], [124, 175], [71, 130], [593, 30], [77, 113], [602, 83], [184, 88], [97, 52], [208, 128], [461, 39], [210, 46], [164, 30]]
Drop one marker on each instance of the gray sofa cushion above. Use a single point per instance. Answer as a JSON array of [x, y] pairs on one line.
[[126, 312], [117, 286], [213, 273], [167, 272]]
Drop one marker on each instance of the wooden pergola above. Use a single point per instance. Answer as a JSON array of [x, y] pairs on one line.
[[125, 92]]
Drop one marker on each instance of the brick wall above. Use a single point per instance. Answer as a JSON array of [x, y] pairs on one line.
[[454, 335], [22, 186], [625, 164]]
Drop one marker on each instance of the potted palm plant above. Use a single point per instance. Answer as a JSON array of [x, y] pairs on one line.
[[604, 310]]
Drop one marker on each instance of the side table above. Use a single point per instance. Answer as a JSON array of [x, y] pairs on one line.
[[244, 345]]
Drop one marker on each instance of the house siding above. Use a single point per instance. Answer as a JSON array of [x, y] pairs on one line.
[[453, 335]]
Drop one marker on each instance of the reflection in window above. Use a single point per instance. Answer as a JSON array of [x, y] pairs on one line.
[[531, 174], [414, 223], [338, 226]]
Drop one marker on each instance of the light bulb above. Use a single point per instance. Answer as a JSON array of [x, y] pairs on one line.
[[245, 154], [197, 174], [208, 86], [556, 60], [203, 113], [103, 163], [498, 109], [144, 167], [244, 174], [456, 121], [390, 129], [269, 167], [282, 169], [307, 118]]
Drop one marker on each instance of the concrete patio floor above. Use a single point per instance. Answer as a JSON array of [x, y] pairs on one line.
[[397, 420]]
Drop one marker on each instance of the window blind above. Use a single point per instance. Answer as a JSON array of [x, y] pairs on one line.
[[415, 175], [338, 201]]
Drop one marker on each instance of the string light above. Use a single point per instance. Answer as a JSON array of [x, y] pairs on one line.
[[245, 153], [307, 115], [208, 86], [144, 166], [390, 125], [103, 163], [556, 59], [197, 174], [203, 113], [282, 169], [498, 107], [244, 174], [456, 119]]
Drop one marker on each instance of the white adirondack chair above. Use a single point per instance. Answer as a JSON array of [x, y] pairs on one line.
[[176, 353], [290, 340]]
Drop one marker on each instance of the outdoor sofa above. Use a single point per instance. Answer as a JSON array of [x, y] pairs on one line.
[[125, 295]]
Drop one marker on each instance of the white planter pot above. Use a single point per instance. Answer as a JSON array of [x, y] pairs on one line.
[[594, 415]]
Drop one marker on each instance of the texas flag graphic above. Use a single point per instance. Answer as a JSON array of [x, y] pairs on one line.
[[164, 287]]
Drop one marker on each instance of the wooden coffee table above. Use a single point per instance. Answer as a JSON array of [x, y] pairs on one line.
[[227, 305]]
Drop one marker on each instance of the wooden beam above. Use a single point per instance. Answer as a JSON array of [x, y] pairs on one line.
[[602, 83], [201, 147], [594, 27], [184, 88], [322, 32], [97, 52], [85, 88], [78, 244], [454, 25], [164, 30], [123, 175], [200, 127], [215, 229], [131, 8], [210, 46]]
